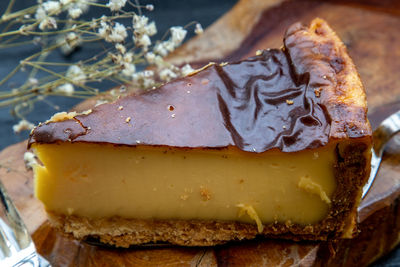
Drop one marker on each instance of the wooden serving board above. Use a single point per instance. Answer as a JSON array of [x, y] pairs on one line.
[[371, 31]]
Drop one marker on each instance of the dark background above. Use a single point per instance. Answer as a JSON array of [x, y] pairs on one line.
[[167, 13]]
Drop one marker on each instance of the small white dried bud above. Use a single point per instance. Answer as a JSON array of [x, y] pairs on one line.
[[40, 13], [52, 7], [118, 33], [104, 30], [68, 42], [145, 78], [147, 83], [116, 5], [75, 12], [139, 23], [167, 75], [83, 5], [121, 48], [48, 23], [94, 23], [116, 58], [150, 7], [129, 69], [151, 29], [177, 35], [186, 70], [128, 57], [29, 160], [66, 89], [32, 82], [169, 46], [159, 61], [143, 41], [160, 49], [199, 29], [150, 56], [76, 75], [23, 125], [72, 39]]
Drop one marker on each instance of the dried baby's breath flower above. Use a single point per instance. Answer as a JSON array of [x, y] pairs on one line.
[[150, 7], [40, 13], [76, 75], [143, 41], [198, 29], [121, 48], [72, 39], [52, 7], [150, 56], [77, 7], [23, 125], [118, 33], [186, 70], [178, 33], [139, 23], [160, 49], [118, 64], [48, 23], [177, 36], [150, 29], [29, 160], [75, 13], [116, 5], [142, 31], [69, 42], [67, 89], [129, 69], [144, 78], [32, 81], [128, 57], [104, 30], [159, 61], [167, 75]]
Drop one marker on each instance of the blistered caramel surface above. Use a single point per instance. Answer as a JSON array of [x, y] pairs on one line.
[[294, 98]]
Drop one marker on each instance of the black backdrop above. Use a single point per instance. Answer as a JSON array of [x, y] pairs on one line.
[[167, 13]]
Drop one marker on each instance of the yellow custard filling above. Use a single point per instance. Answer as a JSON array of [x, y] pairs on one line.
[[102, 180]]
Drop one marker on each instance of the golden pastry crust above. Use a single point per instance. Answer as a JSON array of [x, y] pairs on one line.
[[318, 51]]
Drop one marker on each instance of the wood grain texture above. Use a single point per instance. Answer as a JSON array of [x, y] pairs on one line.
[[370, 31]]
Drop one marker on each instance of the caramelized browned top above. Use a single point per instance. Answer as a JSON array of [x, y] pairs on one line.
[[291, 99]]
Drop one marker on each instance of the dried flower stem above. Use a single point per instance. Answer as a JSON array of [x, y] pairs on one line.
[[117, 63]]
